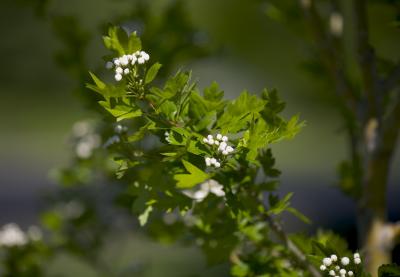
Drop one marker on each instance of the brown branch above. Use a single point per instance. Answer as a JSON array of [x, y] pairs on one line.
[[392, 80], [299, 256], [366, 59]]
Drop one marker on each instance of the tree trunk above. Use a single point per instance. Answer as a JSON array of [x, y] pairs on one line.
[[376, 235]]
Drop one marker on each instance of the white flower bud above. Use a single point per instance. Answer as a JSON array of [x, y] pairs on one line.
[[337, 268], [357, 261], [205, 140], [334, 258], [342, 271], [224, 138], [119, 70], [145, 56], [210, 141], [219, 137], [225, 152], [345, 261], [216, 142], [322, 268], [210, 137], [350, 273], [217, 164], [109, 65], [124, 60], [126, 71], [208, 161], [222, 146], [229, 149], [327, 261], [356, 255], [117, 62], [332, 273], [118, 77], [133, 60], [141, 60], [213, 160]]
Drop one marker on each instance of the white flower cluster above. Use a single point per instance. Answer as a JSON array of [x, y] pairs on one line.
[[12, 235], [166, 135], [123, 64], [332, 265], [222, 147], [87, 140], [209, 186]]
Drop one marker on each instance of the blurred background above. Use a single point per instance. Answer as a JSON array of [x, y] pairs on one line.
[[46, 46]]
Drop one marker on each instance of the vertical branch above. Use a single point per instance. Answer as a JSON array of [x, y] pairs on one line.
[[373, 144], [366, 57]]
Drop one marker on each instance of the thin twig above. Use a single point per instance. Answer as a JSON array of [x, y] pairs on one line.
[[300, 257]]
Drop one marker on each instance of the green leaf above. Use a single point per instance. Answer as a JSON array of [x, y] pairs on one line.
[[99, 83], [106, 90], [299, 215], [121, 112], [152, 73], [240, 112], [145, 216], [389, 270], [195, 176], [112, 41], [278, 206], [142, 132]]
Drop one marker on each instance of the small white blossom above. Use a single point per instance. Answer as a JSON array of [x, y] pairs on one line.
[[109, 65], [342, 271], [225, 138], [350, 273], [345, 261], [219, 137], [327, 261], [357, 261], [200, 195], [118, 77], [166, 134], [141, 60], [332, 273], [126, 71], [334, 258], [209, 186], [144, 55], [12, 235], [356, 255], [133, 60], [119, 70], [117, 62], [124, 60], [322, 267], [34, 233], [208, 161], [337, 268]]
